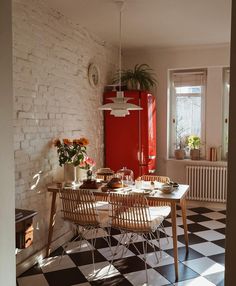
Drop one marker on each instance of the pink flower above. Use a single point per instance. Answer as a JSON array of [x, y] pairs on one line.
[[82, 165], [90, 162], [87, 163]]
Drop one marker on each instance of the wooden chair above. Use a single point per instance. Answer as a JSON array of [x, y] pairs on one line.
[[163, 208], [160, 179], [104, 178], [130, 213], [80, 208]]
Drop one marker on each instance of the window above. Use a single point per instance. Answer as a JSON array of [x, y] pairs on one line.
[[226, 77], [187, 101]]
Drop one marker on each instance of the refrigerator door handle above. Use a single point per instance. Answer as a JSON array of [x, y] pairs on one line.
[[141, 157], [152, 157]]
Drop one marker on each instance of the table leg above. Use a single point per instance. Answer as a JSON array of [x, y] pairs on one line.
[[183, 208], [174, 235], [51, 222]]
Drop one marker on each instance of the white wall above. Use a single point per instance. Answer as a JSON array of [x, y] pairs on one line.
[[161, 60], [7, 192], [52, 98]]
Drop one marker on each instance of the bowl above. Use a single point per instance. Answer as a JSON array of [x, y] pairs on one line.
[[167, 189], [174, 184]]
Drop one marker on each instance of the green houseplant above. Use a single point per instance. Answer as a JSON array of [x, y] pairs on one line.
[[180, 144], [194, 143], [141, 77], [180, 147]]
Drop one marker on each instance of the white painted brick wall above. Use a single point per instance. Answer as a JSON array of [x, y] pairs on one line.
[[52, 98]]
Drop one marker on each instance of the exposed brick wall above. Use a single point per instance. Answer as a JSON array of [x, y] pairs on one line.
[[52, 98]]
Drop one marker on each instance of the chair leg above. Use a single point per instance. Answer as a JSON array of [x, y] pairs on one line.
[[163, 229], [145, 258], [117, 246], [108, 240], [153, 246], [130, 241], [65, 245], [159, 243], [93, 245], [115, 252]]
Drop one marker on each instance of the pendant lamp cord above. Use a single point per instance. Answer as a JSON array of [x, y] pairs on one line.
[[120, 47]]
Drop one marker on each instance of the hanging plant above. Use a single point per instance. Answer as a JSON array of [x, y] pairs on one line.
[[141, 77]]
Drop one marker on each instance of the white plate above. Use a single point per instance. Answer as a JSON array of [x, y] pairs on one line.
[[142, 191]]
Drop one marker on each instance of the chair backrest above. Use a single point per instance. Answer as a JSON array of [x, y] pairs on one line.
[[161, 179], [78, 206], [102, 177], [129, 212]]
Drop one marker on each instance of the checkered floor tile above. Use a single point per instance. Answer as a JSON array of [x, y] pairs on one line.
[[203, 265]]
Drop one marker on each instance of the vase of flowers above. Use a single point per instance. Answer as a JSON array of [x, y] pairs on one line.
[[71, 153]]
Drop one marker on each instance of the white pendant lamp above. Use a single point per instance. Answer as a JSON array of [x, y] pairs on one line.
[[119, 106]]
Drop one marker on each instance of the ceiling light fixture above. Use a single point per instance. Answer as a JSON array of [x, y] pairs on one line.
[[120, 106]]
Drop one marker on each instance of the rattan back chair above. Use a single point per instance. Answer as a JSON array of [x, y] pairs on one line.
[[104, 177], [79, 208], [162, 207], [161, 179], [130, 213]]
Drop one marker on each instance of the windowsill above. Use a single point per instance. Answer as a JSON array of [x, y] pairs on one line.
[[197, 162]]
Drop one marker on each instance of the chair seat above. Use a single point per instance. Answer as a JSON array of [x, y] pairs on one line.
[[103, 213], [163, 211], [137, 224], [101, 205]]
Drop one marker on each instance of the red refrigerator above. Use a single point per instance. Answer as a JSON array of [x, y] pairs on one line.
[[131, 141]]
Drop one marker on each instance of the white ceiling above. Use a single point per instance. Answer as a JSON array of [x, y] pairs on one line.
[[153, 23]]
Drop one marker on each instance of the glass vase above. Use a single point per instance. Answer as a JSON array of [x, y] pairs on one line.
[[69, 174], [73, 175]]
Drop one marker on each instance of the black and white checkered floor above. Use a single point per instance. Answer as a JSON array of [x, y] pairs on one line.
[[204, 264]]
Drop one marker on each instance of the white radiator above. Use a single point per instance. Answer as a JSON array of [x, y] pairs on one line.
[[207, 183]]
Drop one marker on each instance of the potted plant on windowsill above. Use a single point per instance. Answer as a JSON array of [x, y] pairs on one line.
[[141, 77], [180, 144], [194, 143], [180, 149]]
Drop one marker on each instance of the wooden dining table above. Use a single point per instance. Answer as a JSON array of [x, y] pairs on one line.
[[178, 196]]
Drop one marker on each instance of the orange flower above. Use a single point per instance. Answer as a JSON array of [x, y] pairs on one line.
[[57, 143], [66, 141], [72, 151], [76, 141], [83, 141]]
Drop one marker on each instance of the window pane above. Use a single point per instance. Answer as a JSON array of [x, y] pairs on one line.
[[188, 89], [188, 115], [187, 107]]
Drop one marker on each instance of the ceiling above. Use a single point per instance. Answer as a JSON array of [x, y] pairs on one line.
[[153, 23]]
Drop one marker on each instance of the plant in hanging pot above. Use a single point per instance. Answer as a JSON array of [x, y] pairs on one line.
[[194, 143], [71, 153], [141, 77]]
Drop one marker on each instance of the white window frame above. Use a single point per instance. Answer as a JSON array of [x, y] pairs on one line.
[[172, 109], [225, 119]]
